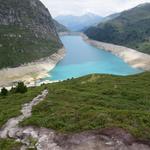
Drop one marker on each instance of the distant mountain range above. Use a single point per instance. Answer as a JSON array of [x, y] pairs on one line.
[[60, 27], [79, 23], [130, 28]]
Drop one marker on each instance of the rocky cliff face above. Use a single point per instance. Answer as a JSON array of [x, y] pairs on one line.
[[27, 32]]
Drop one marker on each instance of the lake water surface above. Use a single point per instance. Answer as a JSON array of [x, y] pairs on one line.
[[82, 59]]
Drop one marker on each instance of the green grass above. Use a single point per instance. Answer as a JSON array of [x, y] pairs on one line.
[[95, 102], [8, 144], [86, 103], [10, 105]]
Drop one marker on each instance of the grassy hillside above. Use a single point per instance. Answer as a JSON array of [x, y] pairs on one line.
[[131, 28], [27, 32], [94, 102], [10, 105], [90, 102], [20, 45]]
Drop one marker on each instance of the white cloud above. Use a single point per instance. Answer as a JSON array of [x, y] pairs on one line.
[[79, 7]]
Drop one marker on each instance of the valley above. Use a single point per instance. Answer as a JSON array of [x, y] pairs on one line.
[[78, 79], [83, 59]]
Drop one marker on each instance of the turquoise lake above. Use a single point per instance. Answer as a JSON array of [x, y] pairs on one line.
[[83, 59]]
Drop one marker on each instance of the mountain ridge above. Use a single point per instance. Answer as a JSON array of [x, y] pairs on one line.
[[78, 23], [131, 29]]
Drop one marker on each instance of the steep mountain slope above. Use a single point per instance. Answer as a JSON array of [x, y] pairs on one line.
[[60, 27], [78, 23], [27, 32], [131, 28]]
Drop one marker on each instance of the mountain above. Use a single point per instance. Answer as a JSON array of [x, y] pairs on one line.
[[110, 17], [78, 23], [60, 27], [27, 32], [131, 28]]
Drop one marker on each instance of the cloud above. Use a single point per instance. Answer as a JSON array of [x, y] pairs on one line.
[[80, 7]]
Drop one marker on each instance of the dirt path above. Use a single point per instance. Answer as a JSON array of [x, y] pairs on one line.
[[45, 139], [29, 136]]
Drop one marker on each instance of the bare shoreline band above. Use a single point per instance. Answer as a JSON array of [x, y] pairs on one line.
[[31, 72]]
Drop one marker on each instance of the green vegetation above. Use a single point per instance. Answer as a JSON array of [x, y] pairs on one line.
[[4, 92], [90, 102], [10, 105], [19, 45], [27, 34], [32, 142], [94, 102], [131, 28], [21, 88], [9, 145]]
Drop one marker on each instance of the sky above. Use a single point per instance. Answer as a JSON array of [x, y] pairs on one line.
[[80, 7]]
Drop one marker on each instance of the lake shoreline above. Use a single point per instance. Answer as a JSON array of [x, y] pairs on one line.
[[32, 72], [133, 57]]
